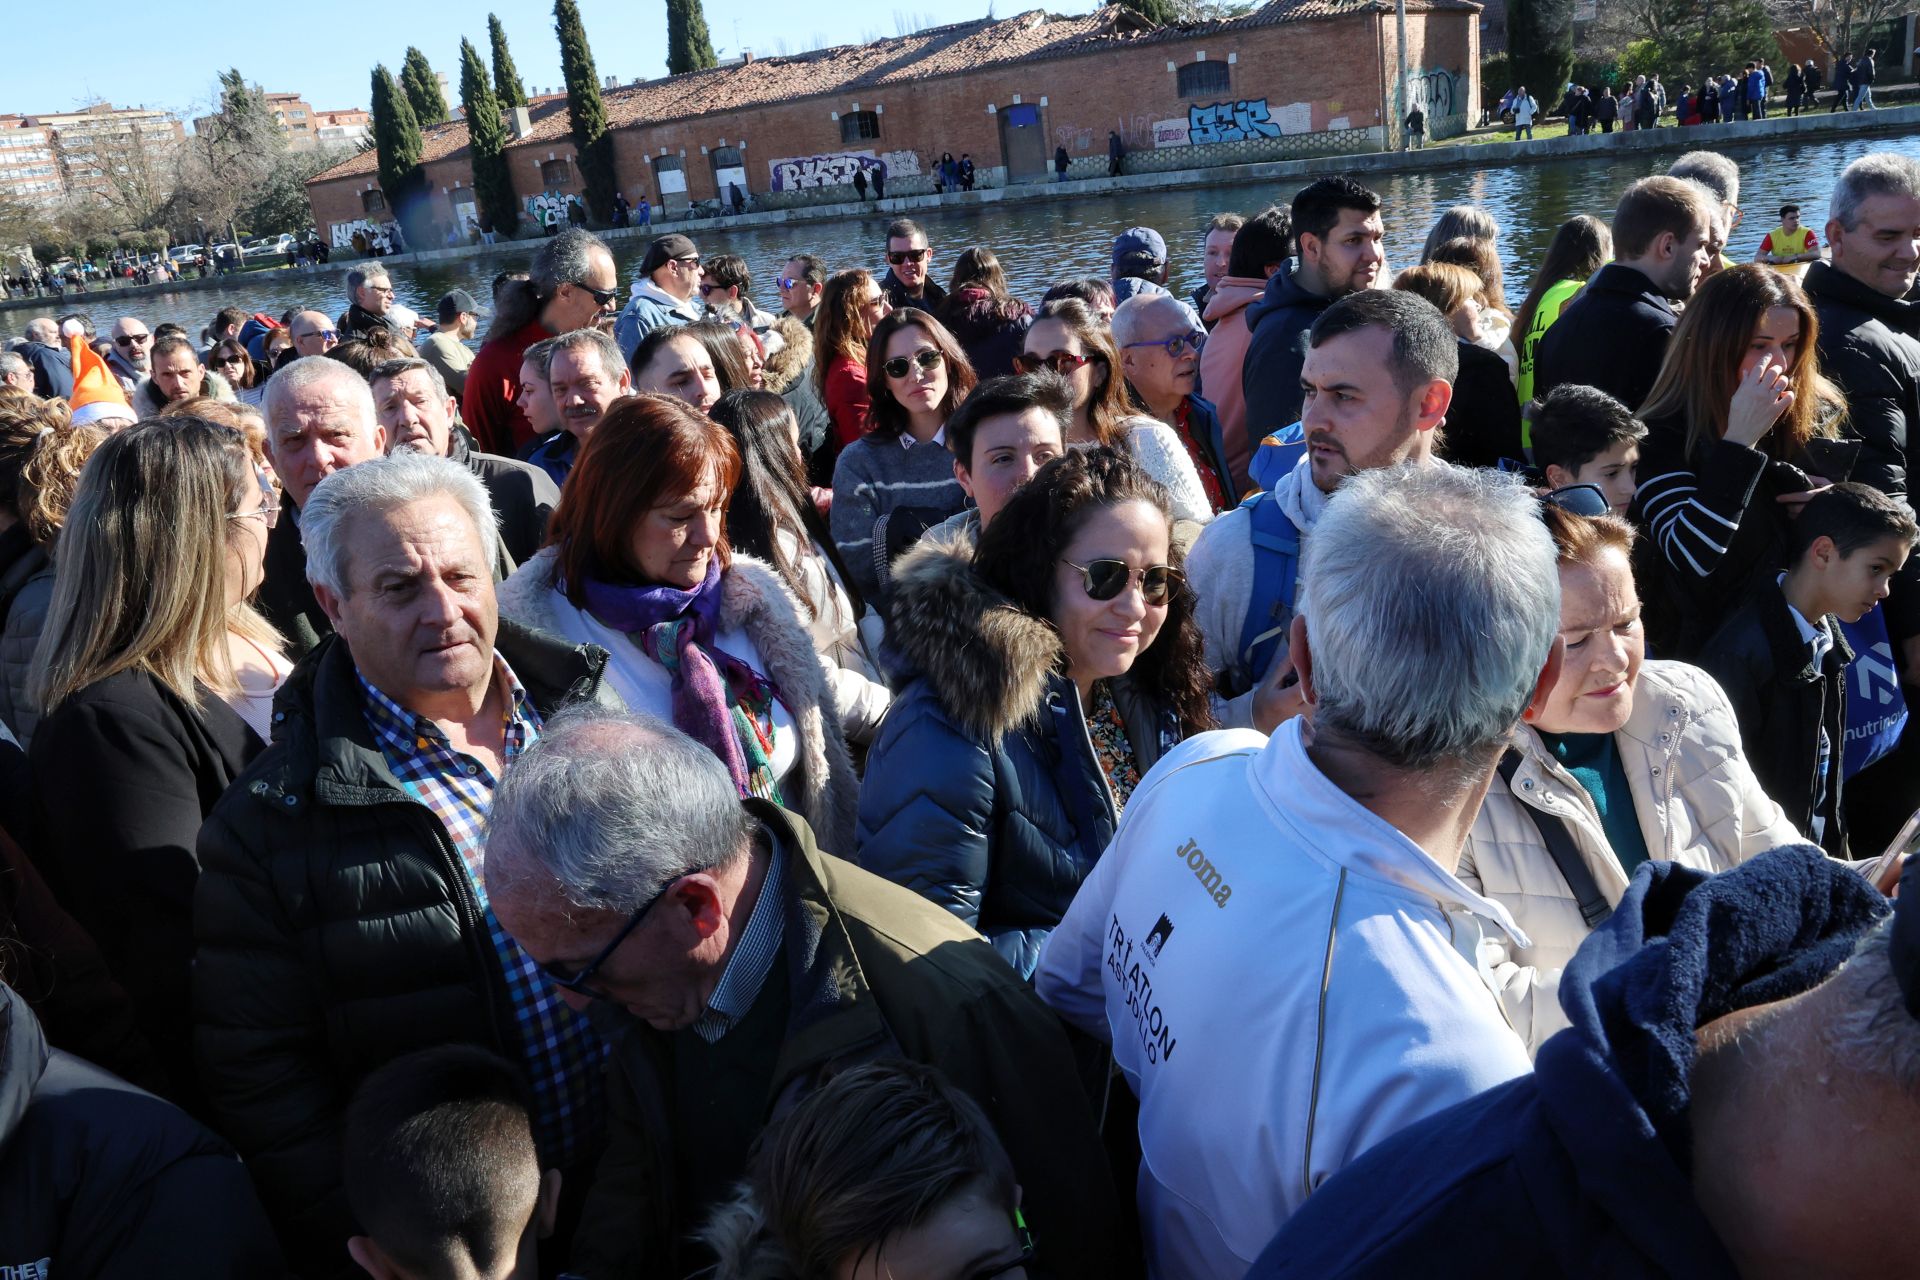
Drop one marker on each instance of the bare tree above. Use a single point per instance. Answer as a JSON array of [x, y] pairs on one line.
[[1841, 26]]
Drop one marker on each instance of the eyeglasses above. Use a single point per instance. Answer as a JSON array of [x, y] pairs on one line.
[[1105, 579], [995, 1270], [1178, 345], [1579, 500], [385, 289], [331, 335], [901, 257], [577, 983], [926, 357], [792, 282], [601, 296], [1063, 363], [128, 339]]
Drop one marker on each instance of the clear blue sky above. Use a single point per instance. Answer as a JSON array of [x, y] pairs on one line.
[[141, 54]]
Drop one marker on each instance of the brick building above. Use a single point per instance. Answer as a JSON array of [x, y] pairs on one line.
[[1294, 77]]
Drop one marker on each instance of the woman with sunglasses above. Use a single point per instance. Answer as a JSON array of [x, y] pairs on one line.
[[850, 306], [1740, 423], [638, 562], [1621, 760], [990, 323], [1070, 339], [1039, 678], [157, 680], [897, 481], [231, 361]]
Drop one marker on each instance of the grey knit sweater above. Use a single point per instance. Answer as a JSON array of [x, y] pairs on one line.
[[875, 478]]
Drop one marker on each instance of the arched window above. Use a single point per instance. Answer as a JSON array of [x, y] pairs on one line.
[[555, 174], [1205, 80], [859, 126], [373, 201]]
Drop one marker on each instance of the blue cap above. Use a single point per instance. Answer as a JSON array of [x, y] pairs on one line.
[[1139, 247]]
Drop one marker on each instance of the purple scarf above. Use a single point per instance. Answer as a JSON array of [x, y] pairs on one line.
[[717, 699]]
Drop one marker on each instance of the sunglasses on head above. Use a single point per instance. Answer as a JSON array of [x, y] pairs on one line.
[[925, 357], [1178, 345], [1579, 500], [900, 257], [1105, 579], [1061, 362]]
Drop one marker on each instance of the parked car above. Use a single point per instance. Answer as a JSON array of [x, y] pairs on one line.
[[185, 252], [266, 246]]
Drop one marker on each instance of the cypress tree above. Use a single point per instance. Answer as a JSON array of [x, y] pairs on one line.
[[586, 112], [399, 149], [1540, 48], [689, 47], [1158, 12], [423, 89], [486, 144], [506, 79]]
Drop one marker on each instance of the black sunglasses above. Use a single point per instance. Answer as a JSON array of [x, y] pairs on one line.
[[577, 983], [1063, 363], [601, 296], [925, 357], [1105, 579], [901, 257], [128, 339], [1580, 500]]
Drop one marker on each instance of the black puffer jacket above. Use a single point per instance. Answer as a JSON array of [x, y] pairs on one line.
[[982, 790], [991, 330], [337, 930], [102, 1181], [1867, 347], [523, 496]]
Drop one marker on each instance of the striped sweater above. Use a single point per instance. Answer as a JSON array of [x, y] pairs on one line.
[[875, 478]]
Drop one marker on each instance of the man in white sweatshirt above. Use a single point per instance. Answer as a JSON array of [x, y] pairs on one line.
[[1378, 379], [1275, 943]]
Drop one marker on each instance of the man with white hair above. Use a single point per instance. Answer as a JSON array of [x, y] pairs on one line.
[[420, 415], [320, 419], [370, 294], [1378, 378], [728, 961], [15, 372], [1275, 943], [1159, 338], [1720, 175], [584, 376], [52, 365], [341, 915]]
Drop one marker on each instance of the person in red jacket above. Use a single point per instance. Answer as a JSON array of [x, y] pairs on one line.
[[573, 284], [850, 306]]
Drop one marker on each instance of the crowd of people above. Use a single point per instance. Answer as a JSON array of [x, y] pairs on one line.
[[1325, 776], [1744, 94]]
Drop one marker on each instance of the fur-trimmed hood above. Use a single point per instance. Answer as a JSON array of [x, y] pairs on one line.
[[986, 658]]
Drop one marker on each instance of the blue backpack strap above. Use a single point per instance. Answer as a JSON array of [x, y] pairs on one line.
[[1276, 574]]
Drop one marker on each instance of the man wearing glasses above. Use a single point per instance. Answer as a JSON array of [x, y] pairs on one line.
[[909, 261], [733, 965], [130, 361], [372, 295], [313, 334], [345, 920], [1160, 358], [801, 283], [667, 294]]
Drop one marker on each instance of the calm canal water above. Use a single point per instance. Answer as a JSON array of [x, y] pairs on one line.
[[1039, 242]]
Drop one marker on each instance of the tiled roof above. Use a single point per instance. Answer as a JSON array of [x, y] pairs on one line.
[[851, 69]]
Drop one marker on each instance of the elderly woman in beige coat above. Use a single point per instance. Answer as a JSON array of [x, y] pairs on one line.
[[1624, 761]]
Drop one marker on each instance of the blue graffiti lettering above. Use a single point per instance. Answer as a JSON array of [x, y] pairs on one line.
[[1230, 122]]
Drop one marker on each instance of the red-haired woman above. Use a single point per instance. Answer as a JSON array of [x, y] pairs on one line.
[[637, 562]]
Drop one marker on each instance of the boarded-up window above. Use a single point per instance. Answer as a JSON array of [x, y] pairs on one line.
[[555, 174], [1205, 80], [373, 201], [859, 126]]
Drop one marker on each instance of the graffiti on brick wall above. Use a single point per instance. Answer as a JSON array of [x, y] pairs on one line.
[[803, 173], [342, 233], [1438, 93], [900, 164], [1073, 137], [547, 203], [1243, 120]]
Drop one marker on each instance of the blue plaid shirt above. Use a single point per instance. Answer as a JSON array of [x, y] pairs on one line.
[[562, 1055]]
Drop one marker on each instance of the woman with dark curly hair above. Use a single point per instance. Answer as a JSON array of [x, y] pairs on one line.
[[1041, 677]]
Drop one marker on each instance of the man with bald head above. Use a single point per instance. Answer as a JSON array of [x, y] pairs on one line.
[[313, 334], [130, 361], [320, 419]]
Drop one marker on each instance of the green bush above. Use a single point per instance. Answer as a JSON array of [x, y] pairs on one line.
[[1594, 72], [1494, 74], [1645, 58]]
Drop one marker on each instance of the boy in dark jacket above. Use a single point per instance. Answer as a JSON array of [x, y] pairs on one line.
[[1782, 660]]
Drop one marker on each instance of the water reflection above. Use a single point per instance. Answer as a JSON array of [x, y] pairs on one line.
[[1040, 242]]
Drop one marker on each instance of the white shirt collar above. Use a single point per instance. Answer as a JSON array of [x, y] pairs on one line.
[[939, 437], [1817, 636]]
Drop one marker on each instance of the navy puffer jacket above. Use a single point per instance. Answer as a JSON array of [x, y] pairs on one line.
[[982, 791]]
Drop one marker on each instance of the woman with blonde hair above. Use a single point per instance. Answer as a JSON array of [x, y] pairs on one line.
[[1483, 419], [47, 483], [1739, 424], [157, 679], [850, 306], [1071, 339]]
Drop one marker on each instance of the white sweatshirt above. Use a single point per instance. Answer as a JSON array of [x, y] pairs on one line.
[[1286, 980]]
